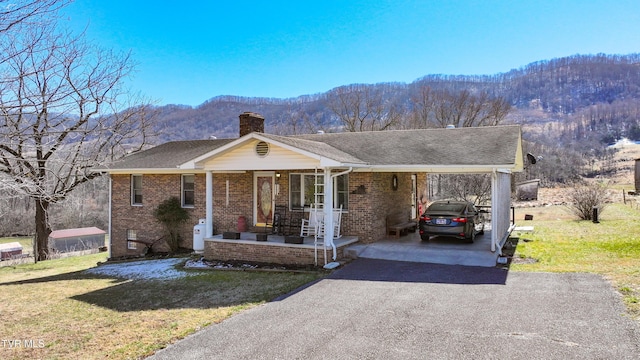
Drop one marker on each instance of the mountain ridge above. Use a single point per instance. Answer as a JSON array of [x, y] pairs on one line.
[[600, 88]]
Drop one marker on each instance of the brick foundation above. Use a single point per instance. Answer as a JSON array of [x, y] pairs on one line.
[[265, 252]]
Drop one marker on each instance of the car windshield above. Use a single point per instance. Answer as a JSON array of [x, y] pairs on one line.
[[453, 207]]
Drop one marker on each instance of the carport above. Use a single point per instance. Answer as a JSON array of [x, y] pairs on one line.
[[443, 250], [496, 151]]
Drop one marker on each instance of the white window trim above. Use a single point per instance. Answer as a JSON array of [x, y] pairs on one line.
[[190, 206], [335, 188], [132, 235], [132, 195]]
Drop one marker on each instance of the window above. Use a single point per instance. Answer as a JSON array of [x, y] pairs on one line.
[[131, 235], [188, 190], [302, 190], [136, 189]]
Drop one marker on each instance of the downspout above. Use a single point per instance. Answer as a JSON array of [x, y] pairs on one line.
[[333, 245]]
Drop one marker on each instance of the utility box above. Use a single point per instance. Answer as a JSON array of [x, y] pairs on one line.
[[198, 236]]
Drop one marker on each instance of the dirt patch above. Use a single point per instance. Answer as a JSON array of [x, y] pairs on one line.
[[508, 252]]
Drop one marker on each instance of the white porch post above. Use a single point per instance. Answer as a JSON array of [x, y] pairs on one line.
[[209, 205], [328, 208], [494, 210]]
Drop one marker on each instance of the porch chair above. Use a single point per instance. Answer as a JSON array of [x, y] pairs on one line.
[[280, 221], [337, 219], [310, 226]]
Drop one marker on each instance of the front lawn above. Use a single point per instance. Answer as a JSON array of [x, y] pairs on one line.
[[561, 244], [56, 310]]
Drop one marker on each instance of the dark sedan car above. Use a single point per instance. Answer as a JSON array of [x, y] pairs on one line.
[[460, 219]]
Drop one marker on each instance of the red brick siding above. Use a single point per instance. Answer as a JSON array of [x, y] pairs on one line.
[[365, 217], [225, 217], [263, 253], [155, 189]]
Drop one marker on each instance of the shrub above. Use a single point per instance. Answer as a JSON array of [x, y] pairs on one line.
[[584, 199], [171, 215]]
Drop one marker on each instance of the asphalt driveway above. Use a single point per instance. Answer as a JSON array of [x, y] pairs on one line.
[[380, 309]]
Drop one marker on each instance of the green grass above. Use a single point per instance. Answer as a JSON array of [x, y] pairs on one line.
[[77, 315], [610, 248]]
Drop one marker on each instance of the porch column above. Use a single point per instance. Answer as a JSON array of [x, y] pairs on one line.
[[328, 207], [494, 210], [209, 205]]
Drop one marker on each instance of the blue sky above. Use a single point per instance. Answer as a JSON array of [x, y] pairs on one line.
[[190, 51]]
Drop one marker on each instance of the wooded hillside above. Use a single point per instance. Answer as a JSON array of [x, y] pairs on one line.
[[589, 98]]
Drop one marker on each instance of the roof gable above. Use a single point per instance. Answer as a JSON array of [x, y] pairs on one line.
[[321, 153]]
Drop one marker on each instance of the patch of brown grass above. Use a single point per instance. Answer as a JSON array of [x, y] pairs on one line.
[[76, 315]]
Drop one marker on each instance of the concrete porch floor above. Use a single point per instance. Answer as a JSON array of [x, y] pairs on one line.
[[438, 250]]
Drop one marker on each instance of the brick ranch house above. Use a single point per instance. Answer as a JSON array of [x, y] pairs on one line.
[[370, 175]]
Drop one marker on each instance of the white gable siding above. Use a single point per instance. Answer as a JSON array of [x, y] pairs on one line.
[[245, 157]]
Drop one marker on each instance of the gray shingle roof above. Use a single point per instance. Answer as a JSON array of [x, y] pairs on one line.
[[168, 155], [480, 146], [489, 145]]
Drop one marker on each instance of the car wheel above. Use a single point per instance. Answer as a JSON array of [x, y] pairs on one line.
[[472, 238]]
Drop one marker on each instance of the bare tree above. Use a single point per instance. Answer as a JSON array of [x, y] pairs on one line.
[[440, 108], [475, 188], [363, 108], [16, 13], [423, 104], [294, 120], [584, 199], [63, 111]]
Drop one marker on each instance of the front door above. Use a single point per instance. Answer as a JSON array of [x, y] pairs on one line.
[[264, 197]]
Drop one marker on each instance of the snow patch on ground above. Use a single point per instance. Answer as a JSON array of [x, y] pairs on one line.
[[624, 142], [163, 269]]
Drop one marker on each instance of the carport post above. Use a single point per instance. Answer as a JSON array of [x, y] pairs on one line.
[[500, 207]]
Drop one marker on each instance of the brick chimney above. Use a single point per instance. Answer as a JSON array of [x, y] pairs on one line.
[[251, 122]]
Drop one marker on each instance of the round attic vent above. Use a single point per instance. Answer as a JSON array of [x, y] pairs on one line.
[[262, 149]]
